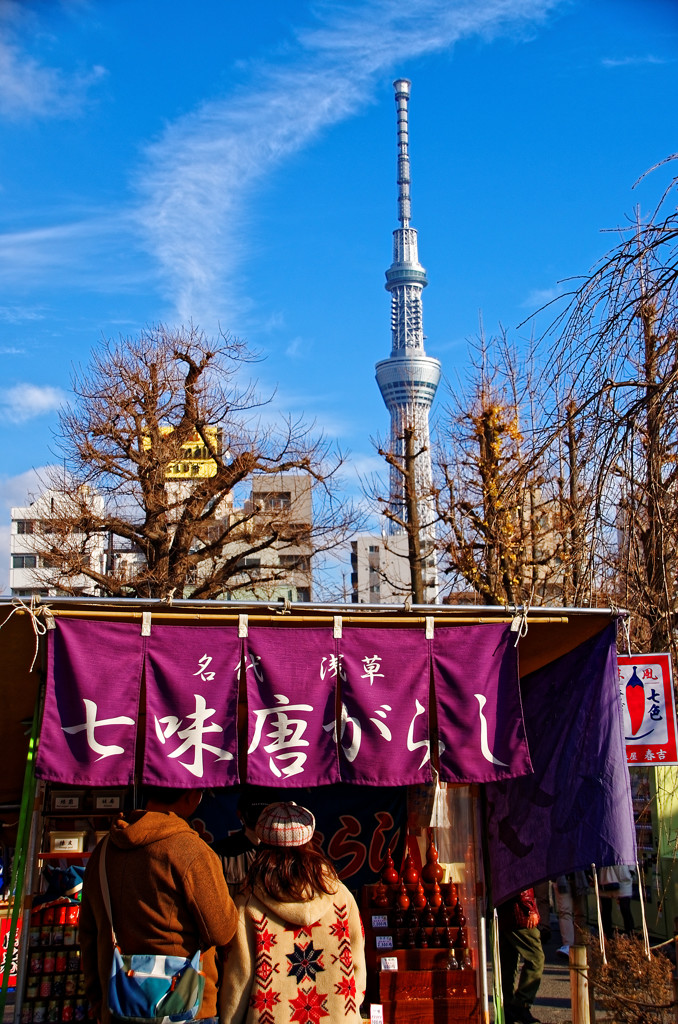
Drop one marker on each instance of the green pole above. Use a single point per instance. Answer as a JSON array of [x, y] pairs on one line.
[[20, 852]]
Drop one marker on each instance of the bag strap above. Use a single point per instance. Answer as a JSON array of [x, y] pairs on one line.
[[104, 886]]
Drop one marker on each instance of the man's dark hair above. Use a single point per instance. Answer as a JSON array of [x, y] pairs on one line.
[[165, 795], [252, 801]]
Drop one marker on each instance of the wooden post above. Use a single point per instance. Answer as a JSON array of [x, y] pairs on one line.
[[579, 985], [675, 970]]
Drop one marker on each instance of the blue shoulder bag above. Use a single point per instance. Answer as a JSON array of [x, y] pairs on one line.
[[145, 987]]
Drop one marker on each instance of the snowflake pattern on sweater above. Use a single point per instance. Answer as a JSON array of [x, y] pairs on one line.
[[283, 971], [304, 964]]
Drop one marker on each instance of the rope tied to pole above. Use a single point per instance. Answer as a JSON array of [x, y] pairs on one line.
[[39, 628]]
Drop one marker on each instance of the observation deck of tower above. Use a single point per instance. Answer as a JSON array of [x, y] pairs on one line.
[[408, 379]]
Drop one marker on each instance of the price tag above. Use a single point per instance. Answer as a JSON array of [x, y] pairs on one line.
[[376, 1013], [379, 921], [389, 963], [384, 941]]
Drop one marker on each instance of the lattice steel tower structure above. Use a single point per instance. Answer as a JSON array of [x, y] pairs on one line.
[[408, 379]]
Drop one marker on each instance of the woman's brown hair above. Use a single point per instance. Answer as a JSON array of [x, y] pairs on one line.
[[291, 874]]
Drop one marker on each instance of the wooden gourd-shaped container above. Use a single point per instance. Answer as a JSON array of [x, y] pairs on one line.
[[403, 899], [381, 897], [389, 875], [432, 870], [410, 874], [419, 898]]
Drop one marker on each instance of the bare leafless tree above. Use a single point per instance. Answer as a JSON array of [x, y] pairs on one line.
[[617, 343], [158, 443]]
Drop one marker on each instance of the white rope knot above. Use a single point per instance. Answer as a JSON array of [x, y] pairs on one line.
[[627, 635], [39, 628], [519, 622]]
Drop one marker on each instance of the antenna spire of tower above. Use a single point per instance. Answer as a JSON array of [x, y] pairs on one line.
[[402, 91], [408, 379]]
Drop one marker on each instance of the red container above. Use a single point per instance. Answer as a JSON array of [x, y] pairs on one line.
[[72, 913]]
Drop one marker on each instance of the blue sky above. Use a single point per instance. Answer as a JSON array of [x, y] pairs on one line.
[[234, 164]]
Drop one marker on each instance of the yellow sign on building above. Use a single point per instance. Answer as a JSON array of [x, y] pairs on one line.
[[197, 461]]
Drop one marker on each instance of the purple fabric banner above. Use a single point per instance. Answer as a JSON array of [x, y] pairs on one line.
[[291, 696], [480, 716], [192, 706], [89, 723], [384, 692], [575, 810]]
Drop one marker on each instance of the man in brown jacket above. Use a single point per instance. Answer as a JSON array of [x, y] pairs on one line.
[[168, 896]]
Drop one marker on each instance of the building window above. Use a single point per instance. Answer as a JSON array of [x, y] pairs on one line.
[[277, 499], [24, 526], [24, 561], [301, 563], [373, 549]]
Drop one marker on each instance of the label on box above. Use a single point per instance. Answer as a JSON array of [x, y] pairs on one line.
[[108, 802], [376, 1013], [66, 803], [389, 963], [384, 941], [66, 843], [379, 921]]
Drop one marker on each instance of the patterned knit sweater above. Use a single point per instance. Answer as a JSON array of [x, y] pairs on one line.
[[295, 962]]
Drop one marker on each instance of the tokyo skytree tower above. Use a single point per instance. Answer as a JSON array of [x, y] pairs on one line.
[[408, 379]]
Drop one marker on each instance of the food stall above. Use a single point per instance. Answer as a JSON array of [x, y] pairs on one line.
[[417, 737]]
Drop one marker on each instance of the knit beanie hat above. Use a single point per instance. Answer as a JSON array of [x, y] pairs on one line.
[[285, 824]]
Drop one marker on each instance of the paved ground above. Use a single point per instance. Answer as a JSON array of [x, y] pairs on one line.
[[552, 1005]]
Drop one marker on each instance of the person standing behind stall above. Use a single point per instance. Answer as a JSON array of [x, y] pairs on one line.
[[615, 883], [237, 850], [168, 896], [519, 938], [299, 949]]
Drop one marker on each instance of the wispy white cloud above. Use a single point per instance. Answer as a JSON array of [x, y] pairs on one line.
[[20, 314], [297, 348], [83, 252], [633, 61], [29, 87], [200, 174], [28, 401], [190, 214], [540, 297]]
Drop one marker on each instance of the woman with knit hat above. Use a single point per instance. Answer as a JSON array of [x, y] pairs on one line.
[[299, 950]]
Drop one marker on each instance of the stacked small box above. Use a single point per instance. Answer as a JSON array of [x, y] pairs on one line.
[[54, 989]]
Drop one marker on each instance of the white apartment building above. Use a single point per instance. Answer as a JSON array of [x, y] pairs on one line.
[[29, 573], [380, 571], [289, 558]]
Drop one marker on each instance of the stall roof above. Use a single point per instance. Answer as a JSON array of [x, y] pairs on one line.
[[550, 633]]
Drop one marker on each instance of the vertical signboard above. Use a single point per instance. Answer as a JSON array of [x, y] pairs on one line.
[[648, 708]]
